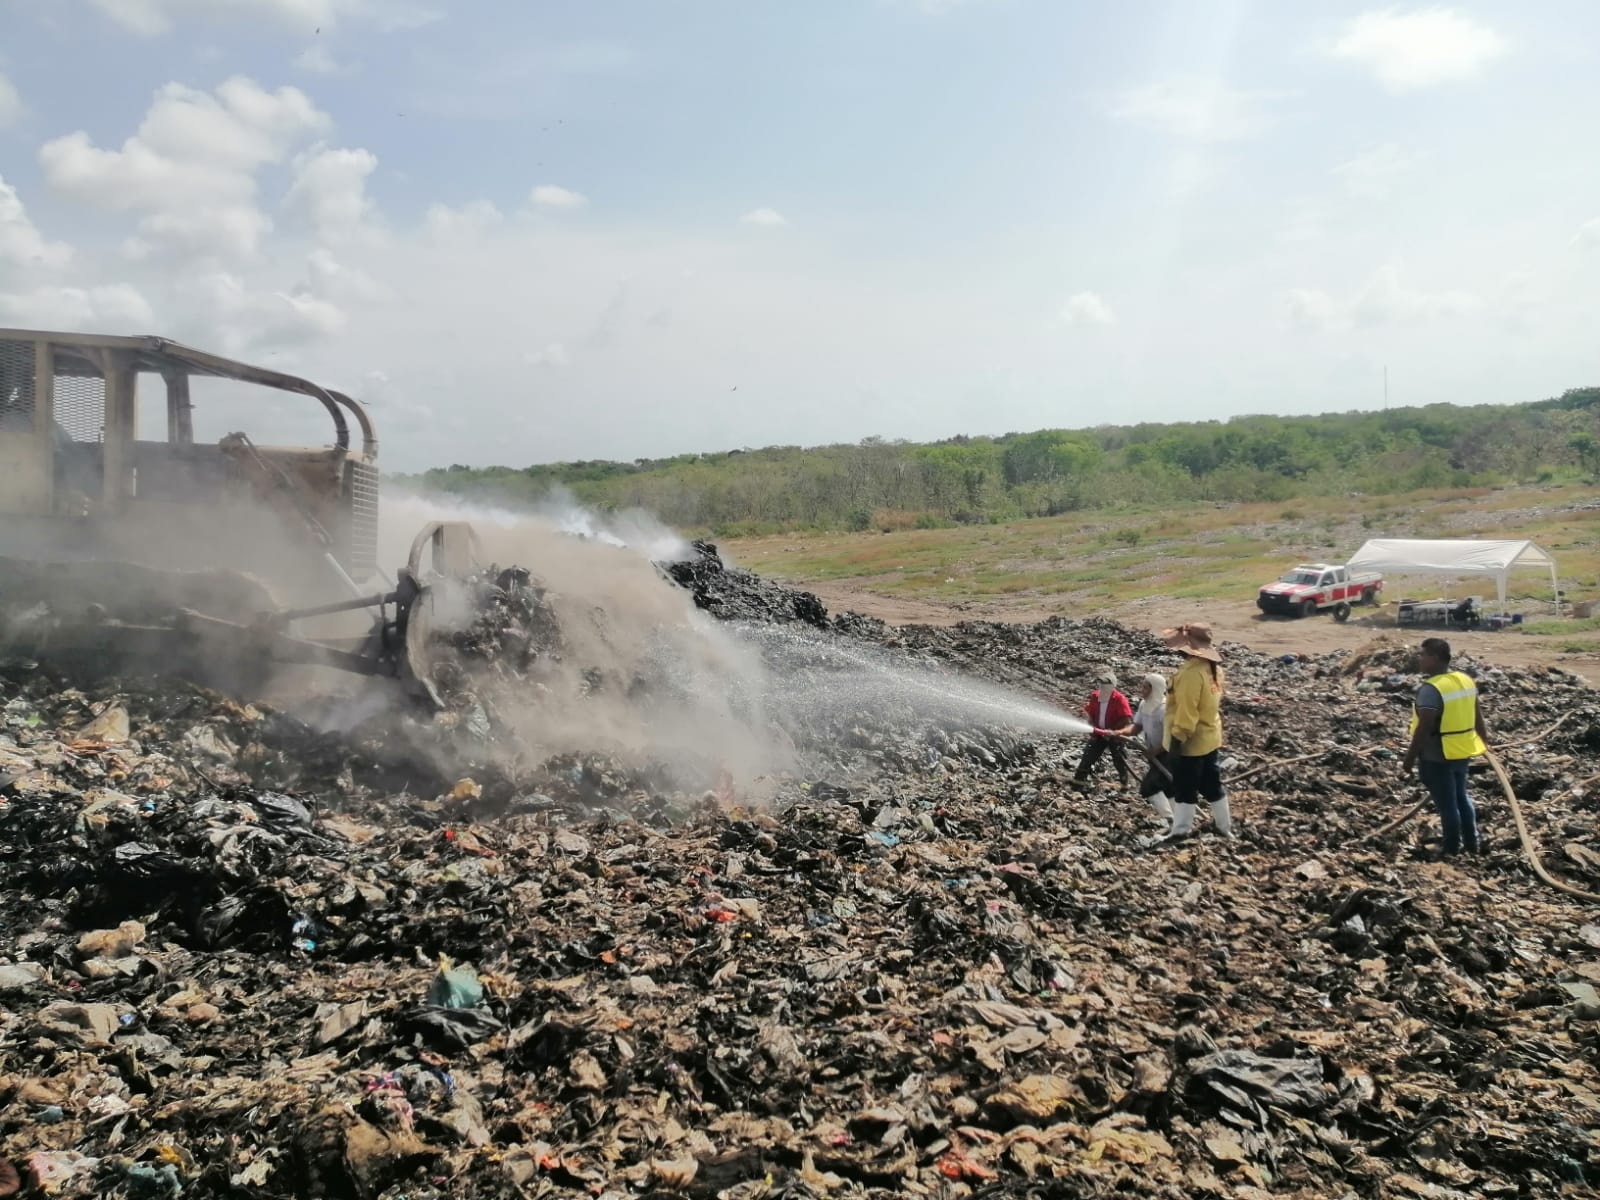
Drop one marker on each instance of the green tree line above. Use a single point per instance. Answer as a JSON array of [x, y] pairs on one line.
[[1052, 471]]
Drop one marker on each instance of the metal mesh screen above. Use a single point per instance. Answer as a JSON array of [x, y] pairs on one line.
[[16, 386], [361, 550], [81, 405]]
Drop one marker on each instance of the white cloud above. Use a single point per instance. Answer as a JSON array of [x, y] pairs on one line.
[[317, 59], [1087, 308], [190, 167], [225, 231], [148, 17], [1384, 299], [331, 279], [1588, 235], [395, 16], [1307, 306], [1206, 110], [769, 217], [116, 306], [10, 103], [548, 195], [330, 188], [553, 355], [444, 223], [244, 319], [1372, 176], [1422, 48], [1387, 300], [152, 17], [192, 149], [21, 243]]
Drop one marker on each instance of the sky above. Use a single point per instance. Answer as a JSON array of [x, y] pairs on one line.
[[569, 229]]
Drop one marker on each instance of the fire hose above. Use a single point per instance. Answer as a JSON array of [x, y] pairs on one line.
[[1527, 842], [1528, 849], [1530, 852], [1397, 822], [1153, 758]]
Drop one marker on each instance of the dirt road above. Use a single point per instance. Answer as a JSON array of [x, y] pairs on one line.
[[1231, 622]]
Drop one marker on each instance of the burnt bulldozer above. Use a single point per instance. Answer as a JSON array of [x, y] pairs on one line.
[[215, 561]]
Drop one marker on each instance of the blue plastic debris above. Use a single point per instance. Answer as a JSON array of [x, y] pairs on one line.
[[160, 1182], [455, 987]]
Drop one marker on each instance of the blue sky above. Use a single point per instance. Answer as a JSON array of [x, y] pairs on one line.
[[636, 227]]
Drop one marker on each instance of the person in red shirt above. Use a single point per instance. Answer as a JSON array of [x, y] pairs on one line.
[[1111, 715]]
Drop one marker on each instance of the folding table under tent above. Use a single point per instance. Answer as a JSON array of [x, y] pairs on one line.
[[1455, 556]]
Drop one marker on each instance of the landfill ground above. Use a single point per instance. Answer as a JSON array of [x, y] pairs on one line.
[[1237, 621], [252, 955], [1153, 567]]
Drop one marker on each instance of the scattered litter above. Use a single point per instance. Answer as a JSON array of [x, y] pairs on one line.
[[249, 953]]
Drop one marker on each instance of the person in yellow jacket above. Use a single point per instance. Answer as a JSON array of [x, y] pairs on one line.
[[1447, 733], [1193, 735]]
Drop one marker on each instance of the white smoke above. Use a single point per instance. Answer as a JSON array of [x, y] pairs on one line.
[[683, 690], [404, 512]]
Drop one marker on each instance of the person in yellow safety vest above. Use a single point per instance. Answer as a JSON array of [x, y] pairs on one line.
[[1446, 734]]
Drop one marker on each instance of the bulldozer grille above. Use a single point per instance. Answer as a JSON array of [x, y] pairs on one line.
[[361, 545], [79, 392], [16, 385], [81, 405]]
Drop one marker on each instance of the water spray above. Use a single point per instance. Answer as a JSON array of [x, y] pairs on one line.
[[816, 672]]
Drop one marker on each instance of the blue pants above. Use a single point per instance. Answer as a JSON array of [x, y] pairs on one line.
[[1447, 784]]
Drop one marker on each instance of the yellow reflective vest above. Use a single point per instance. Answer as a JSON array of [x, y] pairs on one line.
[[1458, 723]]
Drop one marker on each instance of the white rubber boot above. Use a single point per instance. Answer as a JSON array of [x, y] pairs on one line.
[[1162, 805], [1222, 818], [1182, 821]]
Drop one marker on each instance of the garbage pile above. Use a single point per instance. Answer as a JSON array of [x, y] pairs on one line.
[[247, 955], [734, 594]]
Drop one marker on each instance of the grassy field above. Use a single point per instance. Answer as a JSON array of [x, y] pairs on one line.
[[1076, 563]]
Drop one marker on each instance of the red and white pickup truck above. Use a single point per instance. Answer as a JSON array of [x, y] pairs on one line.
[[1312, 587]]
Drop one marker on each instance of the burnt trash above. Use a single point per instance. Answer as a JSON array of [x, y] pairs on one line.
[[374, 955]]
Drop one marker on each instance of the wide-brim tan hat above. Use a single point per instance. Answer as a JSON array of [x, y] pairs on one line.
[[1193, 639]]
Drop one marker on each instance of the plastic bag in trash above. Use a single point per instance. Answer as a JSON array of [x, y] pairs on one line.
[[280, 811], [455, 987], [449, 1028], [134, 863], [257, 919], [1244, 1083]]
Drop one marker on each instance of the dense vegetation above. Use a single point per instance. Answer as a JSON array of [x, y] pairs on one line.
[[886, 484]]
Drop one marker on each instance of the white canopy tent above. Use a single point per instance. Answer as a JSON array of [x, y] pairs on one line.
[[1455, 556]]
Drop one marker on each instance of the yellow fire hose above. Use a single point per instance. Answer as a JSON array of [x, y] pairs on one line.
[[1528, 849], [1527, 842], [1397, 822]]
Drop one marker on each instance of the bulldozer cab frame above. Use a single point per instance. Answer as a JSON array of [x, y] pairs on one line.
[[116, 551], [76, 480]]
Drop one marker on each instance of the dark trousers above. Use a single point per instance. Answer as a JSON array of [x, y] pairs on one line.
[[1447, 784], [1157, 779], [1091, 754], [1196, 777]]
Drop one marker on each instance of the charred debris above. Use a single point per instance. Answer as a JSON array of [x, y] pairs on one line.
[[249, 954]]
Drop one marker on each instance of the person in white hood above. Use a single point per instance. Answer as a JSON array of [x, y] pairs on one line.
[[1148, 727]]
